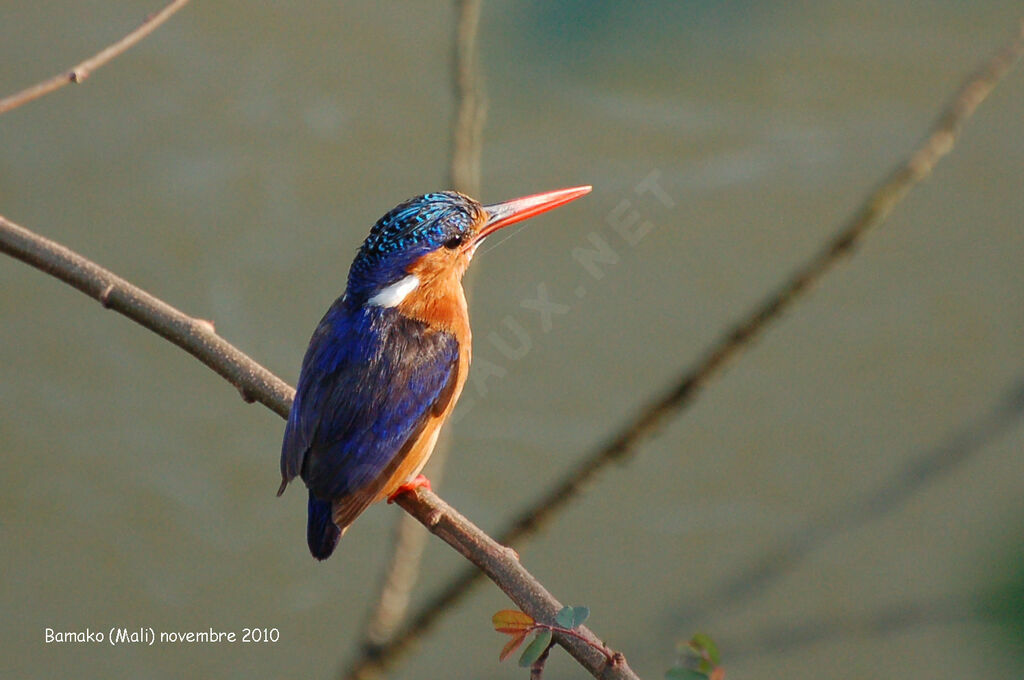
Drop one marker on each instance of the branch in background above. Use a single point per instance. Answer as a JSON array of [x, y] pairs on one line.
[[256, 383], [77, 74], [624, 443], [471, 102], [787, 637], [402, 569], [400, 573], [915, 475]]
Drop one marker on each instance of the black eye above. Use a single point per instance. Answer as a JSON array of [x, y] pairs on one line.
[[453, 242]]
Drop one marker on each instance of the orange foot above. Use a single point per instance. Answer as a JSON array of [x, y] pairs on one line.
[[417, 482]]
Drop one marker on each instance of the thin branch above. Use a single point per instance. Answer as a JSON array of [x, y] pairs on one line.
[[399, 579], [905, 617], [537, 667], [195, 336], [657, 413], [917, 473], [257, 384], [77, 74], [502, 566], [471, 102], [407, 546]]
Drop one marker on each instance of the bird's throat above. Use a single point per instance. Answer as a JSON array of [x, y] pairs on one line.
[[438, 300], [442, 307]]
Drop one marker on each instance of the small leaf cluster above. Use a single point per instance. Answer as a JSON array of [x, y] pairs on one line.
[[520, 625], [699, 660]]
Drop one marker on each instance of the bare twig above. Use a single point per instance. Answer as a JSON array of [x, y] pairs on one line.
[[537, 667], [917, 473], [77, 74], [402, 570], [400, 574], [787, 637], [257, 384], [622, 444], [195, 336], [471, 102]]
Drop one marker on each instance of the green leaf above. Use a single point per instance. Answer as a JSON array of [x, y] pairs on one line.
[[565, 617], [579, 615], [684, 674], [534, 650], [705, 647]]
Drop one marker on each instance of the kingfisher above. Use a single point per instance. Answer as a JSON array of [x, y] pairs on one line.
[[388, 361]]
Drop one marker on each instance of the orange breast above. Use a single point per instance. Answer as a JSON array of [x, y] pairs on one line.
[[439, 302]]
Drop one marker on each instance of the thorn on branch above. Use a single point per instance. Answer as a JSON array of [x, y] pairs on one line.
[[434, 517], [105, 296]]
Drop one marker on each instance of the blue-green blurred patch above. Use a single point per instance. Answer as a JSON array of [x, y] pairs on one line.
[[1003, 604]]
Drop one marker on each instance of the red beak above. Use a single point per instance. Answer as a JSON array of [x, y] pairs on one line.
[[503, 214]]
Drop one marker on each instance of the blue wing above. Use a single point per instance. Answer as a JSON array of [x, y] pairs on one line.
[[369, 381]]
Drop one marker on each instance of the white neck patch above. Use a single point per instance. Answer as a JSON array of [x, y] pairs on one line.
[[391, 296]]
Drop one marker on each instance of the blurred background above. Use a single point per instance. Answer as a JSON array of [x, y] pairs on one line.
[[846, 499]]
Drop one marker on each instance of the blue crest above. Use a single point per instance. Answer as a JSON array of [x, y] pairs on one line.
[[409, 231]]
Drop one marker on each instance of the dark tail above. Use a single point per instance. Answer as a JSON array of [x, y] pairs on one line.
[[321, 533]]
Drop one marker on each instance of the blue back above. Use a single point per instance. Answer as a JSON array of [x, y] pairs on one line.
[[369, 380]]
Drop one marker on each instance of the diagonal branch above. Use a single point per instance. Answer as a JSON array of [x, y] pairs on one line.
[[740, 336], [730, 344], [256, 383], [919, 472], [782, 638], [195, 336], [77, 74], [502, 566]]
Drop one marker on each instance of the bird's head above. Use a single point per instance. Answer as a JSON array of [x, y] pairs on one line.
[[432, 238]]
